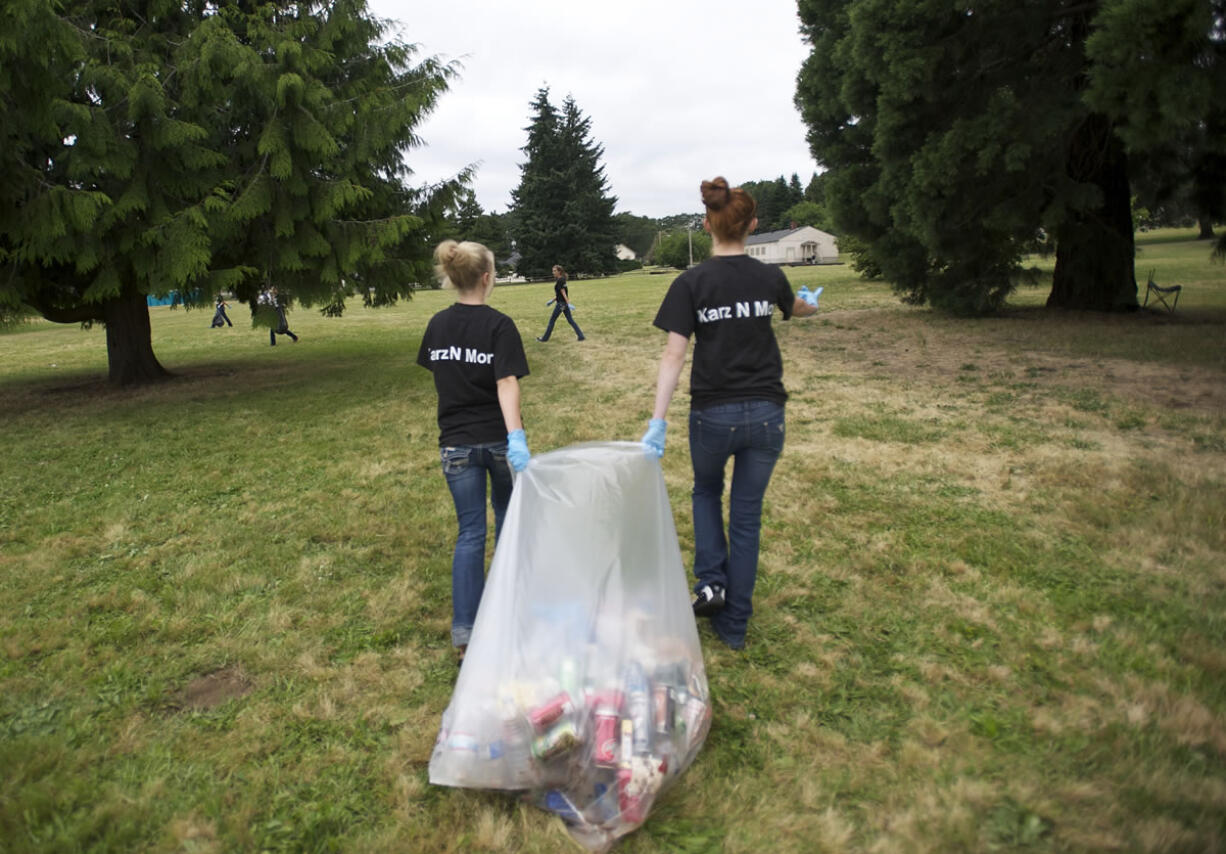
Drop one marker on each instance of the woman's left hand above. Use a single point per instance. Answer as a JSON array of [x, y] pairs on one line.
[[808, 296], [653, 440]]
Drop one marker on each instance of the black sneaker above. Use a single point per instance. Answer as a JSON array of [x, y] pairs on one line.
[[709, 600]]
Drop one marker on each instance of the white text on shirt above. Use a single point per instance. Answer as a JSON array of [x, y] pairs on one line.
[[758, 308], [455, 354]]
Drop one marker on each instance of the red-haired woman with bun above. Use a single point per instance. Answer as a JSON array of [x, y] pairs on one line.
[[736, 400]]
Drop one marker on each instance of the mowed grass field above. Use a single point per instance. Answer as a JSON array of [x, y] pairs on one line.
[[991, 608]]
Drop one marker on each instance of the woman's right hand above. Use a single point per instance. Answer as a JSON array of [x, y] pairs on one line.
[[517, 450]]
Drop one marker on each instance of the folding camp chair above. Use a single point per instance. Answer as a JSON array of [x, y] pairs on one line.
[[1161, 294]]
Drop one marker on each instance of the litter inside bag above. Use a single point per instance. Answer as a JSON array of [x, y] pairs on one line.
[[583, 686]]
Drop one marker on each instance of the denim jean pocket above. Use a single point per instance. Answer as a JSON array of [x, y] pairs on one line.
[[770, 434], [712, 435], [455, 460], [766, 427]]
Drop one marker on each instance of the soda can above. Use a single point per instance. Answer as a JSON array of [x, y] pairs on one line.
[[662, 707], [682, 696], [696, 715], [630, 803], [547, 713], [557, 741], [557, 802], [638, 707], [604, 742]]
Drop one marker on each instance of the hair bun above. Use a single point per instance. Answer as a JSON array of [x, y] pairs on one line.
[[716, 193]]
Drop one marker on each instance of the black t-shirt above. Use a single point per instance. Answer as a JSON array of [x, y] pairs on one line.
[[726, 303], [469, 348], [558, 286]]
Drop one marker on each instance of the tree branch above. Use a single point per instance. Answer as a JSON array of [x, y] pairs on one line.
[[83, 313]]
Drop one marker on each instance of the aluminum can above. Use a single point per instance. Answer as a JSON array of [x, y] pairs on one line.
[[631, 806], [695, 716], [562, 738], [550, 711], [604, 740], [557, 802], [638, 708], [662, 707]]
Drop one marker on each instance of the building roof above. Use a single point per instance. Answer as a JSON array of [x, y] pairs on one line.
[[771, 236]]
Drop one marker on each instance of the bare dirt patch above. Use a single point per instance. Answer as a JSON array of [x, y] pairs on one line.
[[914, 346], [213, 689]]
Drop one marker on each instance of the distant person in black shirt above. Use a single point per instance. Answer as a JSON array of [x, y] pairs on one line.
[[561, 305], [736, 400], [280, 326], [476, 356], [220, 318]]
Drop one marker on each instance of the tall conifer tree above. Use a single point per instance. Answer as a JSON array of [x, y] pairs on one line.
[[561, 212], [152, 146], [955, 133]]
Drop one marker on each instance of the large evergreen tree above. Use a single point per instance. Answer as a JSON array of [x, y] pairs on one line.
[[561, 212], [955, 134], [151, 146]]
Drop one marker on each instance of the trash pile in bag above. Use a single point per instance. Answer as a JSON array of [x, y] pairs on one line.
[[583, 687]]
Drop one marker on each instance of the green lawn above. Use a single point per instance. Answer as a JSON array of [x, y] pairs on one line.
[[991, 611]]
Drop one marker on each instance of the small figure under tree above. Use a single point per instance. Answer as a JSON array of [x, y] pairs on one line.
[[192, 146]]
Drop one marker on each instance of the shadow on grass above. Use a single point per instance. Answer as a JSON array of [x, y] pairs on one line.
[[349, 370]]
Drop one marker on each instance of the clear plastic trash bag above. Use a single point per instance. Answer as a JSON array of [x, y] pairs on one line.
[[583, 687]]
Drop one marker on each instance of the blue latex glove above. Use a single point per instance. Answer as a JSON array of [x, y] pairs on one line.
[[809, 296], [517, 450], [653, 439]]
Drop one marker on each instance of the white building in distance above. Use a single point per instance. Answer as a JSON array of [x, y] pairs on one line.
[[803, 245]]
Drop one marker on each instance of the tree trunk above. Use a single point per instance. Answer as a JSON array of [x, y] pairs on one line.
[[129, 341], [1206, 227], [1094, 248]]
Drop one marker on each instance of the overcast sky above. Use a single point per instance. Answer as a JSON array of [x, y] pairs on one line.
[[676, 90]]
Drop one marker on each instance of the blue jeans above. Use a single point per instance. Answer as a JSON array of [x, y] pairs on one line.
[[466, 469], [553, 318], [751, 432]]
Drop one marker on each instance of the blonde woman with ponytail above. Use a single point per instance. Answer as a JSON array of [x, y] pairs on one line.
[[477, 359], [736, 400]]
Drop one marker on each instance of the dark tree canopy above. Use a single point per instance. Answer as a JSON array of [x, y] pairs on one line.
[[561, 212], [774, 198], [200, 145], [955, 135]]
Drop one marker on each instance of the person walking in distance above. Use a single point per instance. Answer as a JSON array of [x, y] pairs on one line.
[[220, 318], [477, 359], [280, 324], [561, 305], [736, 400]]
